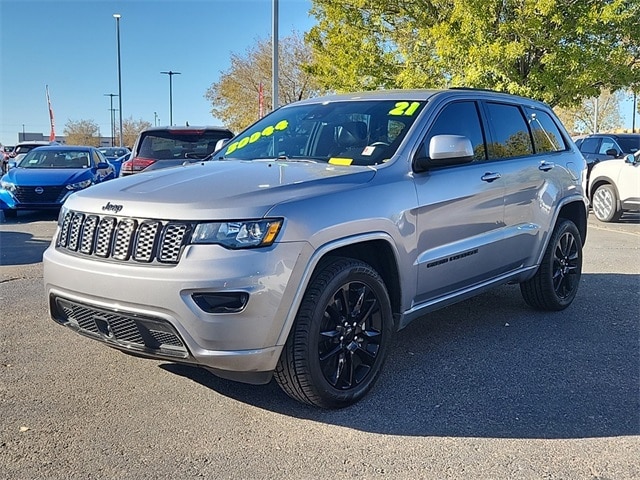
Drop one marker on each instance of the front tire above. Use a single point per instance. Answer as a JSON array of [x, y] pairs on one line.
[[338, 343], [605, 204], [555, 284]]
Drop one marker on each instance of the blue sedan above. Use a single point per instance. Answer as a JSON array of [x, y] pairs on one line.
[[115, 156], [46, 176]]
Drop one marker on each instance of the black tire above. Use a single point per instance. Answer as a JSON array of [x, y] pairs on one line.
[[9, 213], [340, 338], [555, 284], [605, 204]]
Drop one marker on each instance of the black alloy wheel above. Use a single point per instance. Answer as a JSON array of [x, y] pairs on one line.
[[555, 284], [337, 346]]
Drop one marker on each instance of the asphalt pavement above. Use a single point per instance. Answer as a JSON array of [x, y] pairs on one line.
[[488, 388]]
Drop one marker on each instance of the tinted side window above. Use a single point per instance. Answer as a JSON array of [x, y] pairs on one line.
[[546, 135], [460, 118], [99, 157], [589, 145], [511, 134], [608, 144]]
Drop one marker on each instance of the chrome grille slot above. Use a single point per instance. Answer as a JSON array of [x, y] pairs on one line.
[[146, 241], [172, 240], [105, 233], [63, 238], [88, 234], [123, 239], [74, 232], [124, 235]]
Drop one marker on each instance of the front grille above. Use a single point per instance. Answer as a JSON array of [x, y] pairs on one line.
[[39, 195], [123, 239], [152, 336]]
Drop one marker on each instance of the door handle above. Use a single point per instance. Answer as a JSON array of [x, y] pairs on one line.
[[546, 166], [490, 177]]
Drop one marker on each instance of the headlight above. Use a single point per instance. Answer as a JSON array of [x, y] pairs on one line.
[[79, 185], [240, 234], [8, 186]]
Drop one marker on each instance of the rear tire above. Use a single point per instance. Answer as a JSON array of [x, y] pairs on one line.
[[338, 343], [605, 204], [555, 284]]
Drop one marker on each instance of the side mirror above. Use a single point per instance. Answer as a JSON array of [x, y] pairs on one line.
[[103, 165], [444, 151], [631, 159], [11, 165], [221, 143], [612, 152]]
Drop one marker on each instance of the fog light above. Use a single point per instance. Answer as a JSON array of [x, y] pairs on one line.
[[227, 302]]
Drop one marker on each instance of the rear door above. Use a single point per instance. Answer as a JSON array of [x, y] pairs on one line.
[[530, 150]]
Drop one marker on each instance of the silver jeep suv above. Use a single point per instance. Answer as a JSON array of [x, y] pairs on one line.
[[315, 234]]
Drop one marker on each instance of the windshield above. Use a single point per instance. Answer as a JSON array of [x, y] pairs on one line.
[[179, 144], [114, 152], [56, 159], [629, 144], [24, 148], [355, 132]]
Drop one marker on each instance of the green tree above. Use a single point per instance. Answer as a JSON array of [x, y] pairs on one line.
[[234, 97], [592, 115], [131, 130], [82, 132], [558, 51]]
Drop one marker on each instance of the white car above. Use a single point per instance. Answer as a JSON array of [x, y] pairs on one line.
[[614, 187]]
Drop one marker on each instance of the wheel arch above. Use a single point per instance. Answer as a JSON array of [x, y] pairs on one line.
[[577, 213], [598, 182], [377, 249], [382, 257]]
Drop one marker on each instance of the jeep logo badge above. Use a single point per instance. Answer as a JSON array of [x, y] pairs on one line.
[[39, 190], [111, 207]]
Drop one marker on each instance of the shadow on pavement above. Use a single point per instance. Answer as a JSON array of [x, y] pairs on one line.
[[492, 367], [21, 248]]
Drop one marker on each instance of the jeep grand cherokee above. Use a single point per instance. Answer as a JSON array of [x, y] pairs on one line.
[[322, 229]]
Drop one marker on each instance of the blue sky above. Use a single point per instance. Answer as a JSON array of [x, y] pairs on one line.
[[71, 46]]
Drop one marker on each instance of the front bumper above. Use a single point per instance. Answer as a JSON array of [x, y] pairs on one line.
[[150, 310]]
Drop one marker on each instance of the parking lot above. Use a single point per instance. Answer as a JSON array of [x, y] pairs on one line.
[[487, 388]]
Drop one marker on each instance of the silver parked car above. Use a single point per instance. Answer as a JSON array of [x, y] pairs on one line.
[[322, 229]]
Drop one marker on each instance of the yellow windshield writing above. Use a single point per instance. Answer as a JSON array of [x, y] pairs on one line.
[[255, 136], [404, 108]]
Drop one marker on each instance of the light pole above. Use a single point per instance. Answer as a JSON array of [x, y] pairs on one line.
[[155, 119], [274, 57], [635, 108], [117, 17], [111, 110], [171, 74]]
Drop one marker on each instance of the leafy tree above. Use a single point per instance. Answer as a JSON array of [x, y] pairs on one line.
[[234, 98], [130, 130], [558, 51], [598, 114], [82, 132]]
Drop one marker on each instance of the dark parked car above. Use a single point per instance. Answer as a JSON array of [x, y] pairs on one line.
[[162, 147], [46, 176], [115, 155], [606, 146]]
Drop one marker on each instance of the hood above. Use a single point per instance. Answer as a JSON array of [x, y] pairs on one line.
[[222, 189], [35, 177]]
